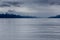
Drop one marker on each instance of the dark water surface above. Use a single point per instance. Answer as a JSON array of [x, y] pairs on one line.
[[30, 29]]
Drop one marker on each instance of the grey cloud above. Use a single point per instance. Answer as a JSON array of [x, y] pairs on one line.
[[41, 1], [10, 3], [35, 3], [27, 2], [4, 5], [38, 2], [54, 2]]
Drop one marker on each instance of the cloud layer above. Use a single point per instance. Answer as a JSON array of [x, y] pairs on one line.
[[43, 8], [54, 2], [10, 3]]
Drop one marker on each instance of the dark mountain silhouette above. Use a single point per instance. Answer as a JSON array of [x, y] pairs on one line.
[[58, 16], [14, 16]]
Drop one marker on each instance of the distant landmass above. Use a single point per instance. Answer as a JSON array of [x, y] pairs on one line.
[[57, 16], [6, 15]]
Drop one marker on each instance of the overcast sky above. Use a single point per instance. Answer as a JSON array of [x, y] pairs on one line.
[[43, 8]]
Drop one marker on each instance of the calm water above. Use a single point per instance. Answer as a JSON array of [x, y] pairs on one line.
[[30, 29]]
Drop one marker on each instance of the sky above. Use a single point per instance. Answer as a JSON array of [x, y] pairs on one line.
[[40, 8]]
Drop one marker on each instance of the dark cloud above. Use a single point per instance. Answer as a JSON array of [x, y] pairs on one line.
[[41, 1], [17, 3], [38, 2], [10, 3], [54, 2], [4, 5]]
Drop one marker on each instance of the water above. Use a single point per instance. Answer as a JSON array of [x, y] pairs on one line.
[[30, 29]]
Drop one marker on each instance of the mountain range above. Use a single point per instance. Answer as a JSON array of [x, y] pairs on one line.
[[57, 16], [11, 14]]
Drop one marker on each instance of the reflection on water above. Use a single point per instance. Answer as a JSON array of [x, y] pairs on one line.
[[29, 29]]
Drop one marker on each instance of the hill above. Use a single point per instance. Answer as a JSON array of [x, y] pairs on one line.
[[57, 16], [14, 16]]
